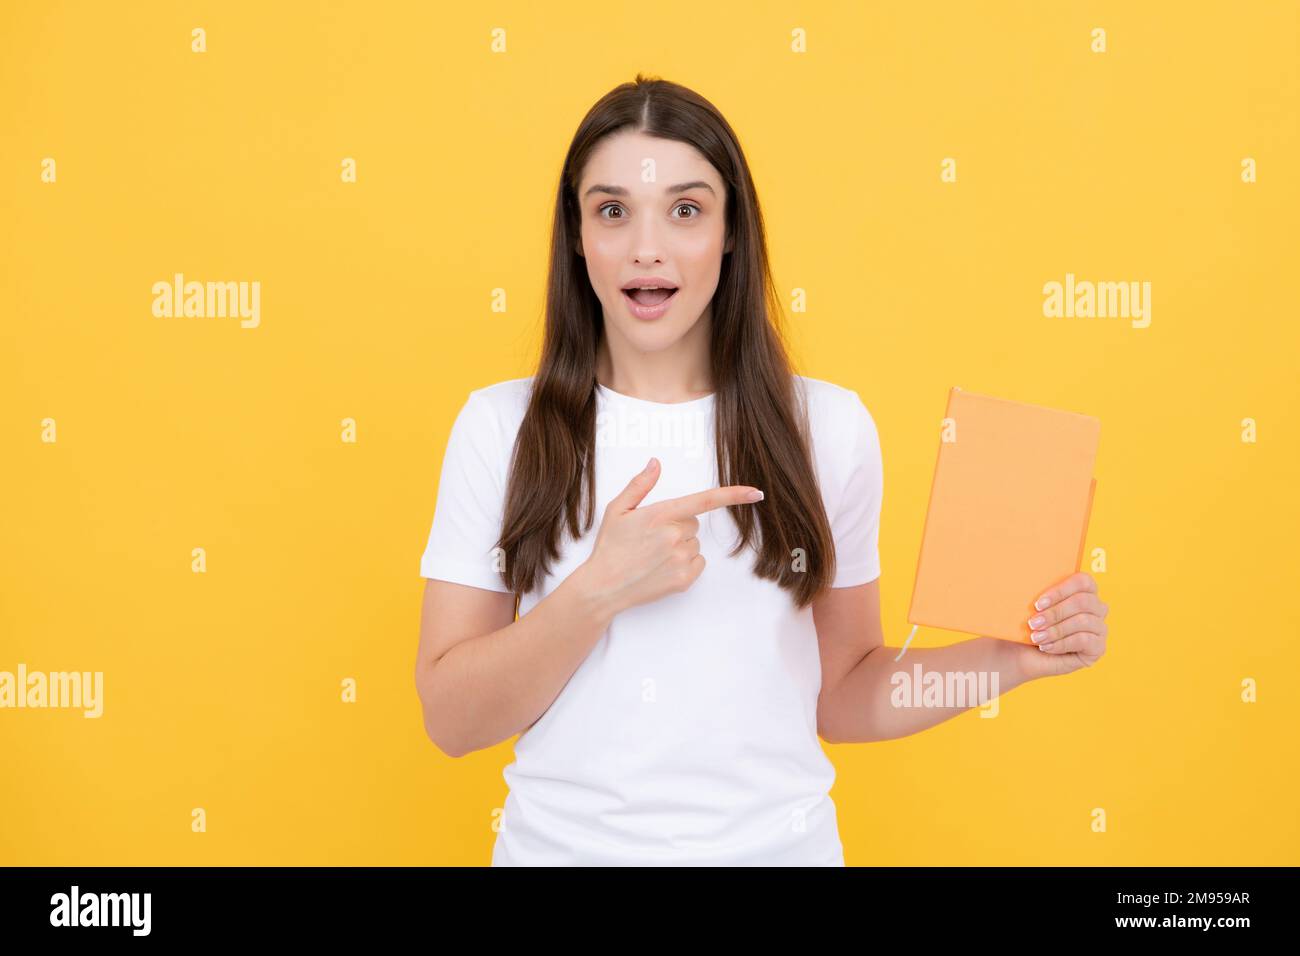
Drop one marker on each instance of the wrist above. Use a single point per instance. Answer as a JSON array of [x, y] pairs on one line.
[[594, 598], [1020, 660]]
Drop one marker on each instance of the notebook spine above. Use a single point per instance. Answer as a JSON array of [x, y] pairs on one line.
[[929, 509], [1087, 517]]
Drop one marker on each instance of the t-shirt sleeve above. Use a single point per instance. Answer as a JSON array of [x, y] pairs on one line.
[[856, 524], [471, 496]]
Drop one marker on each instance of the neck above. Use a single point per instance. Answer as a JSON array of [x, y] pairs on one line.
[[679, 373]]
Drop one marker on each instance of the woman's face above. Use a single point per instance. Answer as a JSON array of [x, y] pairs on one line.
[[652, 207]]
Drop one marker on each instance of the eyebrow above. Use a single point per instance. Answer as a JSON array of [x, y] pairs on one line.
[[668, 191]]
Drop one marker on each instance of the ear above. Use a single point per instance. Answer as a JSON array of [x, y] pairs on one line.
[[577, 247], [731, 243]]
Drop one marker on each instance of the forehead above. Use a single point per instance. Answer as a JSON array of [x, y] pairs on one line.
[[621, 160]]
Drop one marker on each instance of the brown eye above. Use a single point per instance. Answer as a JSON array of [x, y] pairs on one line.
[[686, 205], [601, 210]]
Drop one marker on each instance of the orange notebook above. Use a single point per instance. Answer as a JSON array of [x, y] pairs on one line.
[[1008, 514]]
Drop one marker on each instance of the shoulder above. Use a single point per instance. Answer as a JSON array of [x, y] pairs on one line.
[[499, 406], [504, 396], [488, 420], [845, 444], [833, 410]]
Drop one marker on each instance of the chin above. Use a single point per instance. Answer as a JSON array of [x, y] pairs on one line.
[[653, 339]]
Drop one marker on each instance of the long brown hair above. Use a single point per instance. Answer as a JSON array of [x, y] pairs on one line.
[[762, 437]]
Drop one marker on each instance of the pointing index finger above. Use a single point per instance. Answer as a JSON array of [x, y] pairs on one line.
[[701, 501]]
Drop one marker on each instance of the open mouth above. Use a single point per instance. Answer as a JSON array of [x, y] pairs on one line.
[[648, 298]]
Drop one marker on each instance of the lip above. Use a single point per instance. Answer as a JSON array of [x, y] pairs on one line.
[[654, 281], [648, 312]]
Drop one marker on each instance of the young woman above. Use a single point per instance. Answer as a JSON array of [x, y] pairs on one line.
[[673, 664]]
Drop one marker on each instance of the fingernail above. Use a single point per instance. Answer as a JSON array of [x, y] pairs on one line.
[[1037, 636], [754, 495], [651, 464], [1042, 602], [1037, 622]]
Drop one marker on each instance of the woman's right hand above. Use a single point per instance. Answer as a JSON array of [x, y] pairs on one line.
[[641, 554]]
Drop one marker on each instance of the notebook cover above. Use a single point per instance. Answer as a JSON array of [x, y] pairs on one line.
[[1008, 514]]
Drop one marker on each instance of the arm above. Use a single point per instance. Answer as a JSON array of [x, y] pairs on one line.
[[855, 704], [482, 676], [483, 679], [857, 669]]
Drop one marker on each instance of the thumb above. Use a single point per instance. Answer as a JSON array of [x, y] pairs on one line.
[[636, 489]]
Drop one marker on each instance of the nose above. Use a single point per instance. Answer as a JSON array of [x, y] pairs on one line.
[[647, 243]]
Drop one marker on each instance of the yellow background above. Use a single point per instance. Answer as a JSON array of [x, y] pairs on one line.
[[222, 690]]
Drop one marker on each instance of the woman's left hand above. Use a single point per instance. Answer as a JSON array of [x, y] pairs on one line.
[[1068, 628]]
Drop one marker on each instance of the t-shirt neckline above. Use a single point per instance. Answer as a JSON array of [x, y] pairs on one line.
[[630, 400]]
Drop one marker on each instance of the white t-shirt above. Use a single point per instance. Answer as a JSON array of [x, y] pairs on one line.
[[688, 736]]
